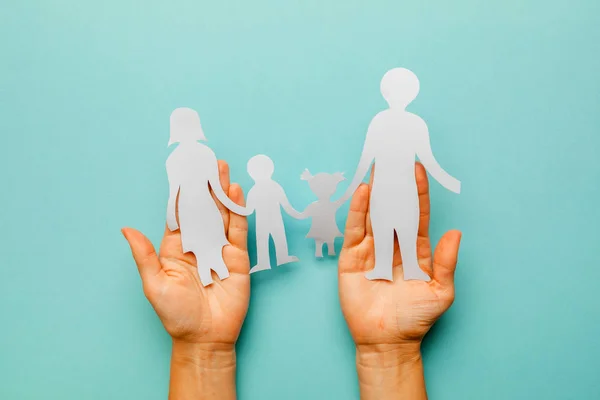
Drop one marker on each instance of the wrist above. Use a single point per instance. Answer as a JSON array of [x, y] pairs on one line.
[[215, 356], [202, 371], [383, 356], [390, 371]]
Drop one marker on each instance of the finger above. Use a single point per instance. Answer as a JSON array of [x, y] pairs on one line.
[[169, 232], [224, 179], [424, 255], [238, 224], [144, 255], [368, 225], [445, 258], [424, 205], [355, 229], [236, 255], [423, 244]]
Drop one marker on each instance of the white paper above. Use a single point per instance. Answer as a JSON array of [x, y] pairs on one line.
[[394, 138], [191, 168], [324, 228], [266, 198]]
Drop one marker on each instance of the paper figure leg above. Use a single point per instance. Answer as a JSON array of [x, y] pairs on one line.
[[203, 270], [384, 251], [407, 239], [319, 248], [263, 260], [205, 275], [220, 268], [281, 246], [331, 248]]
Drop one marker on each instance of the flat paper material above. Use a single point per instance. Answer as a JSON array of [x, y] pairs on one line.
[[193, 171], [266, 198], [324, 227], [394, 138]]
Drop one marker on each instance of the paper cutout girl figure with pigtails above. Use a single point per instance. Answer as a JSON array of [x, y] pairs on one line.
[[266, 198], [394, 138], [324, 228], [191, 168]]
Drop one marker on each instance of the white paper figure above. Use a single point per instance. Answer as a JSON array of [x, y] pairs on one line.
[[191, 168], [323, 228], [394, 138], [267, 198]]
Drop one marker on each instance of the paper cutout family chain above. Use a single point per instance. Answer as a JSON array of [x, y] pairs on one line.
[[394, 138]]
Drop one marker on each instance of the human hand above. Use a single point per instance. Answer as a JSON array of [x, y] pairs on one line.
[[212, 316], [393, 317]]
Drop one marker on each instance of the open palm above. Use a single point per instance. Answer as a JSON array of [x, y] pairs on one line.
[[399, 312], [189, 311]]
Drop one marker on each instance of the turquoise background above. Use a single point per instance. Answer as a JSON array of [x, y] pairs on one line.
[[511, 93]]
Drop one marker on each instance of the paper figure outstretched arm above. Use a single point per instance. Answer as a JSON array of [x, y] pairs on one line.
[[430, 163], [366, 159], [338, 203], [292, 212], [215, 185]]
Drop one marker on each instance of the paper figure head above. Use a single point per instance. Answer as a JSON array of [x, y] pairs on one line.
[[322, 184], [185, 126], [399, 87], [260, 167]]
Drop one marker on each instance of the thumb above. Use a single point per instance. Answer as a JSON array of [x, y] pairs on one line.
[[445, 258], [143, 253]]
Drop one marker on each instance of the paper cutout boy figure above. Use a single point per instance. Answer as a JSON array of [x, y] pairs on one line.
[[324, 228], [267, 198], [394, 138], [191, 168]]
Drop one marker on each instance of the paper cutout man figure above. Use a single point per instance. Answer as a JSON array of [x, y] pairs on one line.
[[267, 198], [324, 228], [394, 138], [191, 168]]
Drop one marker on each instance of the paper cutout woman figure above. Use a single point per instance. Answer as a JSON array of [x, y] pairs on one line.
[[324, 228], [267, 198], [394, 138], [191, 168]]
